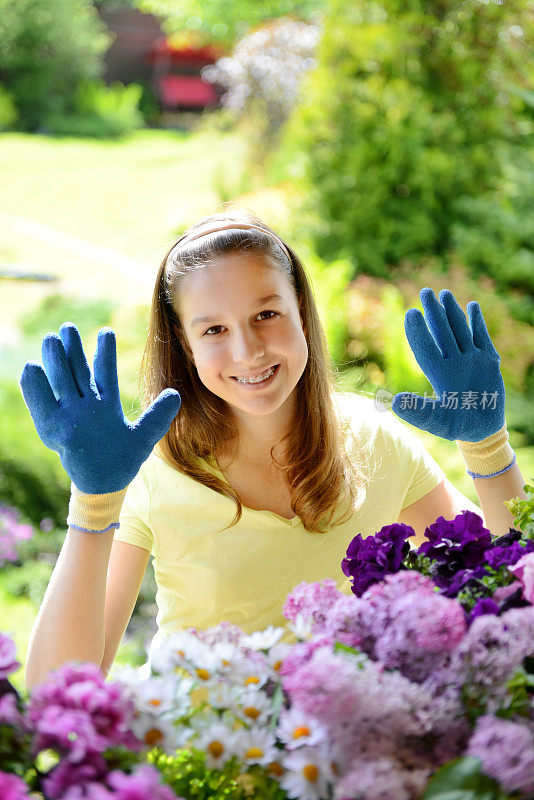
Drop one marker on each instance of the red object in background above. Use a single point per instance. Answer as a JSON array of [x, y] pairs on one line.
[[186, 90], [161, 49], [176, 75]]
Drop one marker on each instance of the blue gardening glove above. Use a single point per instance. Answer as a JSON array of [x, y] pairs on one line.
[[462, 365], [99, 448]]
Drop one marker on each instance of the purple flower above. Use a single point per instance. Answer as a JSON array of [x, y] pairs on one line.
[[301, 653], [8, 662], [464, 579], [506, 750], [10, 714], [456, 546], [12, 787], [60, 781], [322, 686], [381, 779], [490, 652], [144, 782], [11, 531], [423, 630], [312, 600], [75, 711], [370, 559], [508, 555], [343, 623], [484, 606]]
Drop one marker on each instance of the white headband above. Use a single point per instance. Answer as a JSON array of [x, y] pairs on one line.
[[190, 237]]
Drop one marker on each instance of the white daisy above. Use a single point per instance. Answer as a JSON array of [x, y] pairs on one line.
[[296, 729], [263, 640], [158, 731], [301, 627], [253, 706], [276, 655], [252, 671], [166, 694], [219, 743], [126, 674], [308, 773], [256, 746], [223, 695], [229, 660], [172, 652]]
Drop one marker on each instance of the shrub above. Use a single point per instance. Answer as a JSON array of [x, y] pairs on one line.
[[263, 77], [100, 111], [411, 113], [8, 111], [47, 48]]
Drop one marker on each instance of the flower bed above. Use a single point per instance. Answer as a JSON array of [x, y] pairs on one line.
[[419, 685]]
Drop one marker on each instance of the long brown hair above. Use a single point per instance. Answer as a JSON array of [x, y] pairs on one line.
[[320, 474]]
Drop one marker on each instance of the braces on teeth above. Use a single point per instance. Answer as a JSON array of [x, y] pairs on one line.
[[259, 379]]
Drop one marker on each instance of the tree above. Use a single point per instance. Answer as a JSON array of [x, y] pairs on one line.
[[47, 49], [263, 77], [417, 109], [226, 21]]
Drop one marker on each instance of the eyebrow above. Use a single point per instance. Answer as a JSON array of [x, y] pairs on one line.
[[260, 302]]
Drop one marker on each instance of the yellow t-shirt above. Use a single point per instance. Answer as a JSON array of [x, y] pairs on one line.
[[205, 574]]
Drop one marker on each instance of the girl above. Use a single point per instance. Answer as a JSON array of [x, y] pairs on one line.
[[247, 473]]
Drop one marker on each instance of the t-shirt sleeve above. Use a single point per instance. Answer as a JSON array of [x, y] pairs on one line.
[[420, 471], [134, 517]]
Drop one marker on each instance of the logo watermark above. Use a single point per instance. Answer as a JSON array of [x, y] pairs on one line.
[[455, 401]]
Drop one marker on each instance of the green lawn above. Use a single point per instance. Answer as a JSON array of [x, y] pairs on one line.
[[129, 195]]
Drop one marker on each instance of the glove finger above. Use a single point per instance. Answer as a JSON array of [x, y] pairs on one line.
[[424, 348], [481, 337], [105, 365], [38, 396], [457, 320], [72, 343], [57, 368], [438, 324], [156, 420]]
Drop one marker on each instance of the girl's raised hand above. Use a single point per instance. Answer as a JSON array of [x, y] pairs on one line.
[[462, 365], [99, 448]]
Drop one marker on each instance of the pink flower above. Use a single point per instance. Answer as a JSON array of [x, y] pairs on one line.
[[144, 783], [9, 713], [8, 663], [75, 711], [500, 594], [12, 788], [301, 653], [312, 601], [423, 630], [60, 781], [524, 570]]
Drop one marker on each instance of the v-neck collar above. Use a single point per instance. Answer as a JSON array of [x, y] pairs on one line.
[[214, 467]]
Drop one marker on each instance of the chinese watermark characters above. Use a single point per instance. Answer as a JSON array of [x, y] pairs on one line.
[[455, 401]]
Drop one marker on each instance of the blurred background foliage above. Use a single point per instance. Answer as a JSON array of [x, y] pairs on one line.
[[390, 142]]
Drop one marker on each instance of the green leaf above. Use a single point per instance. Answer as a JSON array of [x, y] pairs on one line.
[[462, 779], [277, 701]]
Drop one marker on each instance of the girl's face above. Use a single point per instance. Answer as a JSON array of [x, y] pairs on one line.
[[242, 323]]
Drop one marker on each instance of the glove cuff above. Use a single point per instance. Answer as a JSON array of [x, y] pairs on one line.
[[94, 513], [489, 457]]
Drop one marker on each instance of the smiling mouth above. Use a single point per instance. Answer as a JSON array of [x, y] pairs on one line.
[[260, 378]]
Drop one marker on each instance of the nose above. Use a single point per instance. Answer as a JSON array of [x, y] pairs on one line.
[[247, 346]]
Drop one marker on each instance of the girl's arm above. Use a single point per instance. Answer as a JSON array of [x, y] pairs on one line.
[[81, 417], [70, 622], [459, 359], [447, 501]]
